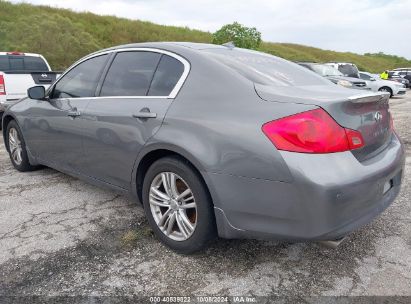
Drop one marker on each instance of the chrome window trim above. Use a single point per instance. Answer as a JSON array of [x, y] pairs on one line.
[[172, 94], [114, 97]]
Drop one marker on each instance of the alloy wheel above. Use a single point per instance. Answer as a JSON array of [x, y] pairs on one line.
[[173, 206], [16, 151]]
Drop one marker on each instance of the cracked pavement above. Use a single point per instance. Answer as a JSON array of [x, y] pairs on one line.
[[62, 236]]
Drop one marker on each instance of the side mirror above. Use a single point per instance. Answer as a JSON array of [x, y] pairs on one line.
[[37, 92], [373, 79]]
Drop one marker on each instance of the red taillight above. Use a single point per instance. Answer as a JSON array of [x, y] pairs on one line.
[[2, 86], [354, 138], [312, 132]]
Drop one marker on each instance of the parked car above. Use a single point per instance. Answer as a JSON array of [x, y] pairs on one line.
[[403, 72], [394, 76], [378, 84], [215, 140], [20, 71], [335, 76], [346, 68]]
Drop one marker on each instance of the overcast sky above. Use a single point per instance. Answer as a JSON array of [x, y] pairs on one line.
[[358, 26]]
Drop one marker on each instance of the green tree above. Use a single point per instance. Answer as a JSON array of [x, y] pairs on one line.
[[242, 36]]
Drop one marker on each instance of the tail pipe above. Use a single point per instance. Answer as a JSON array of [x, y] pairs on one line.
[[332, 244]]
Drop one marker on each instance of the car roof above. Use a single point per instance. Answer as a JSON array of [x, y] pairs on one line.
[[169, 45], [22, 54], [180, 48]]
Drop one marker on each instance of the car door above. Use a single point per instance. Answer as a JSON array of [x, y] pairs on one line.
[[134, 96], [55, 131]]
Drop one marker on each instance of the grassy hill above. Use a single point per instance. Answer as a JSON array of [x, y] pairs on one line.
[[64, 36]]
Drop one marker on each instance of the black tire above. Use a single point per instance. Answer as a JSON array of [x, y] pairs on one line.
[[205, 227], [24, 165], [386, 89]]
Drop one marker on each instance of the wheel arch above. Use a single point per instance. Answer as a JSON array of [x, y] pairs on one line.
[[5, 122], [154, 153], [389, 89]]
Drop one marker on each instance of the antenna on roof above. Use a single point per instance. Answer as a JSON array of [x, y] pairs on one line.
[[229, 45]]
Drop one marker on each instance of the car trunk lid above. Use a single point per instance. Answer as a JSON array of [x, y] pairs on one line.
[[366, 112]]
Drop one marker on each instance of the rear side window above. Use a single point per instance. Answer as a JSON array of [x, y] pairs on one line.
[[9, 63], [81, 81], [130, 74], [266, 69], [168, 72]]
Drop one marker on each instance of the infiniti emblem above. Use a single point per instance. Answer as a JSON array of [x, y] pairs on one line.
[[377, 116]]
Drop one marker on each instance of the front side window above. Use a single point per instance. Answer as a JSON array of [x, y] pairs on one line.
[[167, 75], [130, 74], [81, 81]]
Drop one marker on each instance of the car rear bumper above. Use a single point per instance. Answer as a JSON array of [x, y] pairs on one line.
[[330, 196]]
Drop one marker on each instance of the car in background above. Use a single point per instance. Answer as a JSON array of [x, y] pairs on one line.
[[381, 85], [346, 68], [20, 71], [393, 76], [403, 72], [335, 76]]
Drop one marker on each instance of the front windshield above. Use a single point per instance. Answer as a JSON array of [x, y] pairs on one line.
[[326, 70]]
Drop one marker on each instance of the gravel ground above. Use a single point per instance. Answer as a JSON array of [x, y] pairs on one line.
[[61, 236]]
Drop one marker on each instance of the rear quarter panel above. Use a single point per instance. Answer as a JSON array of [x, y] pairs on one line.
[[216, 120]]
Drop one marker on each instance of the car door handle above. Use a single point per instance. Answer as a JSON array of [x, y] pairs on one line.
[[145, 114], [73, 113]]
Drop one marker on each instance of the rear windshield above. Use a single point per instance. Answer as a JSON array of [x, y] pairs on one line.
[[11, 63], [348, 70], [266, 69]]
